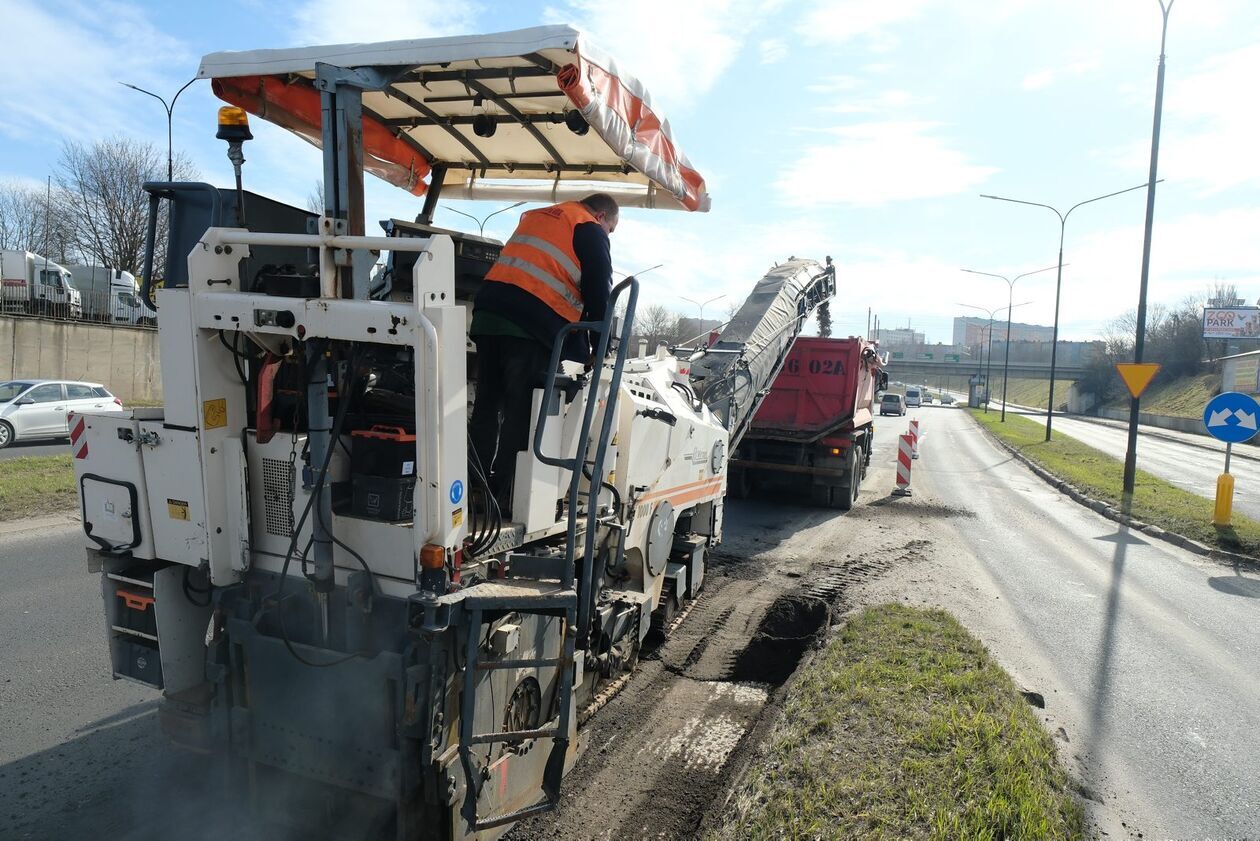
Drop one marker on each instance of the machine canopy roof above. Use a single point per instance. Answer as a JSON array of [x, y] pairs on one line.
[[525, 83]]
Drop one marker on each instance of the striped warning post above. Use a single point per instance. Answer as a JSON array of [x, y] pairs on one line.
[[905, 446], [914, 435], [78, 441]]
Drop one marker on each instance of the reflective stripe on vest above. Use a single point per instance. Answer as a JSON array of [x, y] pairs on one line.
[[539, 258]]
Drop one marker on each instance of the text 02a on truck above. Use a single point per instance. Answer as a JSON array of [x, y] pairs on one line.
[[814, 429]]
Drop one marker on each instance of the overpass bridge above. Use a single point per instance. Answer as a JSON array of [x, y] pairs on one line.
[[955, 370]]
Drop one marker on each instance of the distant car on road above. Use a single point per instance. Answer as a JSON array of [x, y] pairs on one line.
[[31, 409], [947, 399], [892, 404]]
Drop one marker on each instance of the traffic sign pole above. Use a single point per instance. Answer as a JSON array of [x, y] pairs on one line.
[[1224, 509], [1230, 417]]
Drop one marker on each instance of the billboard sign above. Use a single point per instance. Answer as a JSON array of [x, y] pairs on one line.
[[1231, 323]]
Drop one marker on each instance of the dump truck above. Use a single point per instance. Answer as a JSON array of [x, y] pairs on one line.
[[815, 427], [300, 550]]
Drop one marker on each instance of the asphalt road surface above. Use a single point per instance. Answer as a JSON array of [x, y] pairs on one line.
[[1192, 467], [35, 448], [1145, 653]]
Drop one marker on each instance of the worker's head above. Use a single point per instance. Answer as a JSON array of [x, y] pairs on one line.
[[604, 208]]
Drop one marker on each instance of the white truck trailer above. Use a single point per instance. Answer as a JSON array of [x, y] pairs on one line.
[[110, 296], [300, 549], [35, 285]]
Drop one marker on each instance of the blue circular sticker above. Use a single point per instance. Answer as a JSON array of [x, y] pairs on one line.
[[457, 492]]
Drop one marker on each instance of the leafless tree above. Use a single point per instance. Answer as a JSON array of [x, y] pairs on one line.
[[29, 221], [315, 198], [657, 324], [101, 196]]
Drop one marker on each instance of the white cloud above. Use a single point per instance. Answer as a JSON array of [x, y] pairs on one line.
[[1210, 128], [876, 163], [1047, 77], [339, 22], [678, 50], [773, 50], [61, 64], [838, 21], [879, 103], [1040, 79]]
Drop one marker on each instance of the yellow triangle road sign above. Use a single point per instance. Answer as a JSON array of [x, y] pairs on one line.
[[1137, 375]]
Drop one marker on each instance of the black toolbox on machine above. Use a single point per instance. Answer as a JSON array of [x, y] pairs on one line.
[[383, 472], [386, 451], [383, 498]]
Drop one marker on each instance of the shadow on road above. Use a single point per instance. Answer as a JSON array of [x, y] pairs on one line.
[[121, 780], [1106, 649], [1236, 585]]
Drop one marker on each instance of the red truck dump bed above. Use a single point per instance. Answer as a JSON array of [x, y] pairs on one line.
[[825, 387]]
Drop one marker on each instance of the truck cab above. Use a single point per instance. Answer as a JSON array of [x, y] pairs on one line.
[[34, 284]]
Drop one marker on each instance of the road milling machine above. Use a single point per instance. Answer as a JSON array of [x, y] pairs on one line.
[[300, 548]]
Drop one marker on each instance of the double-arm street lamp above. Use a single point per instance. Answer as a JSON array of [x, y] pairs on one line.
[[1058, 284], [703, 304], [1010, 283], [481, 223], [170, 110], [989, 368]]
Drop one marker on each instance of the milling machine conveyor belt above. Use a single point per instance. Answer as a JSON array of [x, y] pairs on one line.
[[733, 374]]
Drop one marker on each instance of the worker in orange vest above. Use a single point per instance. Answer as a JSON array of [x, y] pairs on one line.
[[555, 269]]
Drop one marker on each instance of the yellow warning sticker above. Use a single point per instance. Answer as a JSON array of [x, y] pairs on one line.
[[214, 413], [177, 509], [457, 517]]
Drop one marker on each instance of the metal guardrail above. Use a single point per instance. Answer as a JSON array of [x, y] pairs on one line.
[[110, 308]]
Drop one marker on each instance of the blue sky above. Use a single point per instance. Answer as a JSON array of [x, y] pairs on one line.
[[858, 129]]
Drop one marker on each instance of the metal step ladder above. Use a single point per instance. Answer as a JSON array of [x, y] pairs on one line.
[[530, 596]]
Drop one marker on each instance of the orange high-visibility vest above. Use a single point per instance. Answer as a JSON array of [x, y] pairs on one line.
[[539, 257]]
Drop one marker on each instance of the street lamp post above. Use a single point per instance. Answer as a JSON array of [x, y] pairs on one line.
[[170, 110], [1130, 453], [989, 369], [1010, 283], [703, 304], [481, 223], [1058, 284]]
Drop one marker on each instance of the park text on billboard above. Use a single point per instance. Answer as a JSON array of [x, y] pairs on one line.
[[1231, 323]]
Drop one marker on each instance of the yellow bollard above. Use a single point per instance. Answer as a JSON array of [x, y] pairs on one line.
[[1224, 499]]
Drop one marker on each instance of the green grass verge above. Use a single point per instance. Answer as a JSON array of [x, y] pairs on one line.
[[1184, 397], [1029, 392], [1101, 477], [33, 485], [905, 727]]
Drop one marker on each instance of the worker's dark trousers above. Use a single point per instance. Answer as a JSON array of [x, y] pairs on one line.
[[508, 371]]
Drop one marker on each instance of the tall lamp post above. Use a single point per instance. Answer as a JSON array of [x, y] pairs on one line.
[[170, 110], [1130, 453], [481, 223], [989, 366], [1058, 284], [702, 304], [1010, 282]]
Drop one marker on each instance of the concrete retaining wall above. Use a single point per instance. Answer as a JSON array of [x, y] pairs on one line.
[[125, 359], [1194, 425]]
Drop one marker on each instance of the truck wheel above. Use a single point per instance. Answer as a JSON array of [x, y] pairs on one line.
[[843, 496]]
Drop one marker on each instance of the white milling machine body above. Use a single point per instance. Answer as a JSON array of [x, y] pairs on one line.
[[389, 643]]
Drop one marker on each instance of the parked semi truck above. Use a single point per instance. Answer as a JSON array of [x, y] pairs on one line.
[[816, 426], [300, 549], [36, 285], [110, 296]]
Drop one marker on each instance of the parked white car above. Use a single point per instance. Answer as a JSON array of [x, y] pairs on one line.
[[31, 409]]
